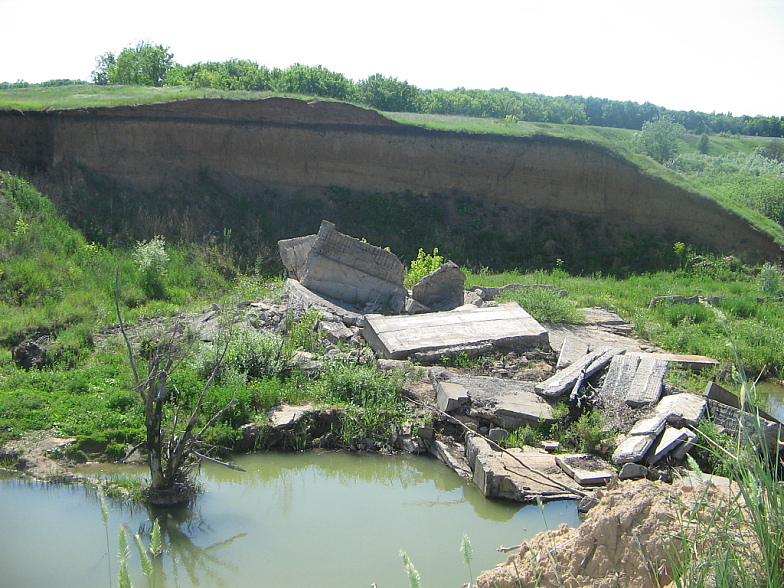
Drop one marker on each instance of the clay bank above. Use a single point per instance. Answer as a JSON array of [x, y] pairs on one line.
[[270, 169]]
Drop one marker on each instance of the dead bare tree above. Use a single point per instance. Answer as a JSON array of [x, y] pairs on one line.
[[171, 447]]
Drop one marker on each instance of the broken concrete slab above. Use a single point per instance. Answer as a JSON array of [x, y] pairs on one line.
[[720, 394], [474, 330], [669, 440], [632, 449], [646, 386], [287, 415], [335, 332], [632, 471], [619, 377], [450, 395], [586, 470], [300, 298], [573, 349], [507, 403], [441, 289], [649, 426], [737, 422], [566, 379], [453, 456], [682, 409], [500, 474], [694, 362], [347, 269], [680, 452]]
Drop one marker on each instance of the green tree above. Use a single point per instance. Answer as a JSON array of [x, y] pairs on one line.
[[143, 65], [702, 146], [659, 138], [389, 94]]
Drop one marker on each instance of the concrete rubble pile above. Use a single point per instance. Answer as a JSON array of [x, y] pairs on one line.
[[351, 282]]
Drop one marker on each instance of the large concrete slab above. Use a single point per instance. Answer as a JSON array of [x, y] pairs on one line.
[[646, 386], [502, 475], [345, 268], [508, 403], [433, 335]]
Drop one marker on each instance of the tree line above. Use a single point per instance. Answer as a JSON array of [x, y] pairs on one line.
[[154, 65]]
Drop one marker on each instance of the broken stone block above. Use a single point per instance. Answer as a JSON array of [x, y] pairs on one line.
[[506, 403], [411, 306], [450, 396], [646, 386], [619, 377], [633, 449], [573, 349], [287, 415], [441, 289], [497, 434], [587, 503], [633, 471], [565, 380], [715, 392], [682, 449], [586, 470], [295, 254], [347, 269], [669, 440], [434, 335], [302, 299], [682, 409], [651, 426], [335, 332], [453, 456], [737, 422]]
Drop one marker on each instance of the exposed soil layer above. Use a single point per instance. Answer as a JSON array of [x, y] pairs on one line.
[[258, 171]]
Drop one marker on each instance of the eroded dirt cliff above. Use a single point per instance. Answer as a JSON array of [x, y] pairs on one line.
[[269, 169]]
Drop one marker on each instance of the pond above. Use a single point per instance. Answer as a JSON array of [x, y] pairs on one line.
[[318, 518], [772, 398]]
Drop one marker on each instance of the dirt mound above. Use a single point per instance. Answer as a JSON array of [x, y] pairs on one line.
[[625, 542]]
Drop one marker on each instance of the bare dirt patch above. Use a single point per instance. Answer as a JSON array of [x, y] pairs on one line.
[[625, 543]]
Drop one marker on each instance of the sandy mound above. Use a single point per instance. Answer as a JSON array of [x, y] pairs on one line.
[[625, 542]]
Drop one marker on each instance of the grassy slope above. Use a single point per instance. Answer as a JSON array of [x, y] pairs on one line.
[[617, 140]]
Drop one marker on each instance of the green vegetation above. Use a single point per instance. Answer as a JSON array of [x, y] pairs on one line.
[[424, 264]]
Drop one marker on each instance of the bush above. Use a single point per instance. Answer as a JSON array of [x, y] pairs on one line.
[[151, 259], [424, 264]]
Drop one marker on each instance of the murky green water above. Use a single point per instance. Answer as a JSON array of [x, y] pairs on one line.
[[324, 519], [772, 396]]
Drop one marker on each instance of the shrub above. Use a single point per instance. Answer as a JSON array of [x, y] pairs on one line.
[[769, 280], [424, 264], [151, 259]]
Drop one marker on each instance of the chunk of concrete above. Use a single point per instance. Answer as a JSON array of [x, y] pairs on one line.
[[441, 333], [347, 269], [287, 415], [450, 396], [441, 289], [303, 299], [508, 403], [632, 471], [682, 409], [619, 377], [586, 470], [565, 380], [715, 392], [680, 452], [669, 440], [650, 426], [738, 422], [573, 349], [633, 449], [646, 386]]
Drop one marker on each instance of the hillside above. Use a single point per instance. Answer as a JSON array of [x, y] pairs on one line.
[[255, 171]]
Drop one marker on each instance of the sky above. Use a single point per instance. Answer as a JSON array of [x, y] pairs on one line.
[[707, 55]]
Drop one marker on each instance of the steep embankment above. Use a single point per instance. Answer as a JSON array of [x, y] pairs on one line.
[[268, 169]]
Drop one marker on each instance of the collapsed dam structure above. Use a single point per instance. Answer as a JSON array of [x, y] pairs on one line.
[[252, 172]]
